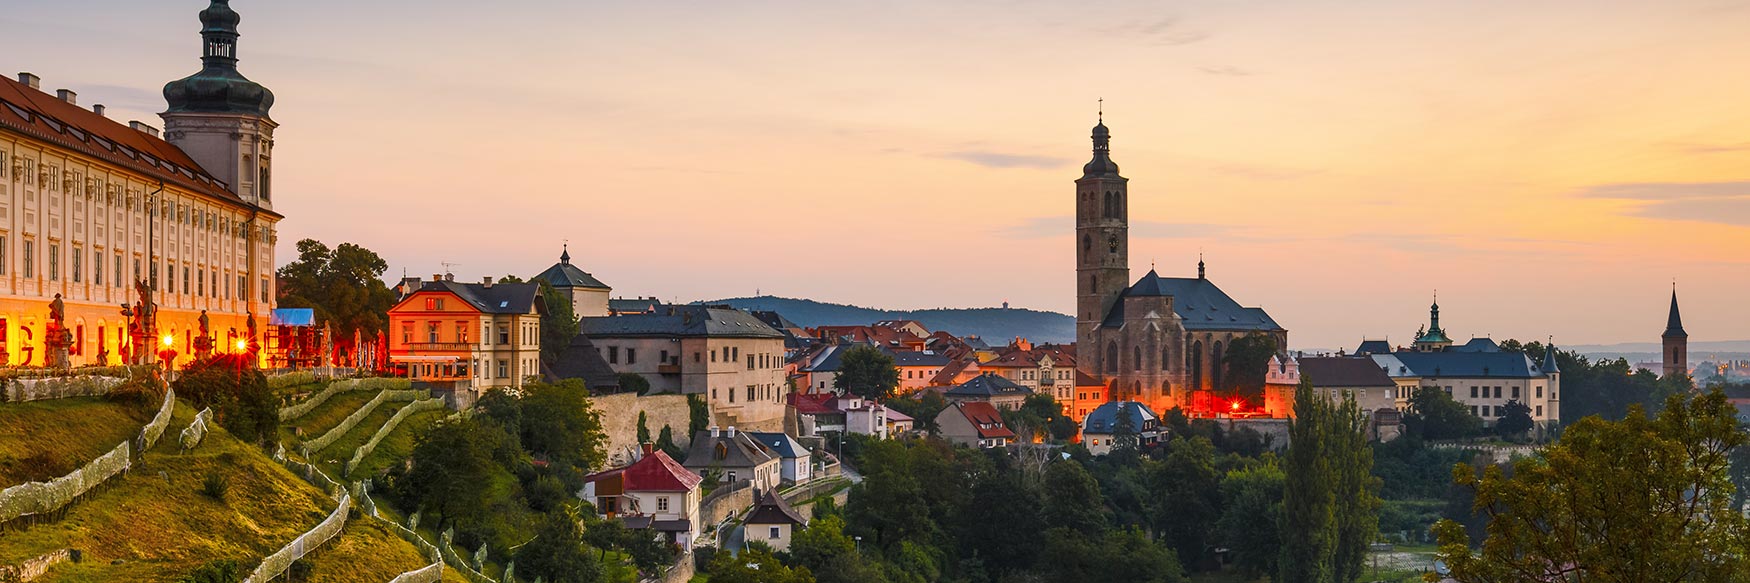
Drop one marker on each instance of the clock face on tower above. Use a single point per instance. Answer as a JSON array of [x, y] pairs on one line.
[[1112, 243]]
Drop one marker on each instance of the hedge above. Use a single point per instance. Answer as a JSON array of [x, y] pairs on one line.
[[191, 436]]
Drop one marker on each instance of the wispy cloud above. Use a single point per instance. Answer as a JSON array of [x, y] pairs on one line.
[[1225, 71], [990, 159], [1709, 202], [1168, 31], [1063, 225], [1713, 148]]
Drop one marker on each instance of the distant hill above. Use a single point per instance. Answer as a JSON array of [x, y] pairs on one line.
[[995, 325]]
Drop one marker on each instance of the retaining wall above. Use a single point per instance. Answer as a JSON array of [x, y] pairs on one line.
[[282, 559], [620, 421]]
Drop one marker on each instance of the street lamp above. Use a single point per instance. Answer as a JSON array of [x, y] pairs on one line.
[[859, 543]]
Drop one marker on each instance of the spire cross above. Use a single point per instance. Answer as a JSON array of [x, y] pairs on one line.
[[1101, 113]]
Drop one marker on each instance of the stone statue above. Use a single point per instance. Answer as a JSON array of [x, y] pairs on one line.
[[203, 344], [56, 339], [58, 312], [205, 323]]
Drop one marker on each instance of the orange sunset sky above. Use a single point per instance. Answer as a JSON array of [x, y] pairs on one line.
[[1549, 167]]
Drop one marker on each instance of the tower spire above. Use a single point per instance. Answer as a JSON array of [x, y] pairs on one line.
[[565, 253], [1199, 264]]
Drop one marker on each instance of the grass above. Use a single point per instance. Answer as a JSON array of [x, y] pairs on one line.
[[298, 392], [154, 524], [332, 459], [327, 415], [398, 445], [42, 440], [364, 551]]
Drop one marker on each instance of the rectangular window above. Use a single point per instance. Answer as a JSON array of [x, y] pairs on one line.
[[406, 332], [431, 332], [54, 262], [200, 283], [1498, 411], [1540, 391], [1540, 410], [750, 390], [3, 261], [1497, 392], [750, 362], [29, 259], [1473, 392], [96, 267], [1515, 392], [78, 262], [462, 332], [264, 290], [662, 504], [732, 394], [503, 368], [613, 355], [504, 334], [774, 532], [631, 355]]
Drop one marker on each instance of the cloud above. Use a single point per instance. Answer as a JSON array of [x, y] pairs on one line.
[[1225, 71], [1001, 160], [1063, 225], [1168, 31], [1714, 148], [1725, 203]]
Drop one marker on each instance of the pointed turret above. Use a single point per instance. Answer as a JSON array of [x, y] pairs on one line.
[[1549, 360], [1674, 321], [1675, 341]]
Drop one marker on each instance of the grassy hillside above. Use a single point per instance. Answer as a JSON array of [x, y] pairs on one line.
[[155, 524], [41, 440], [995, 325]]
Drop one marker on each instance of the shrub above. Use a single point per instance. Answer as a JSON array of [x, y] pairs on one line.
[[220, 571], [237, 392], [215, 485], [145, 392]]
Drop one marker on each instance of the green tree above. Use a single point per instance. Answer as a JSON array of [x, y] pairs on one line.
[[867, 372], [643, 429], [344, 287], [238, 393], [825, 550], [559, 324], [1357, 490], [755, 565], [665, 442], [1632, 500], [1121, 555], [1188, 497], [557, 553], [1515, 420], [559, 422], [456, 472], [922, 408], [698, 414], [1126, 442], [1438, 416], [631, 382], [1309, 504], [1247, 360], [1073, 500], [1251, 506]]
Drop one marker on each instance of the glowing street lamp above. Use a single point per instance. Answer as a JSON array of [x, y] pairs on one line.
[[242, 345], [168, 340]]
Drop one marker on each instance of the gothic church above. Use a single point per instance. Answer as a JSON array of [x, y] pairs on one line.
[[1159, 339]]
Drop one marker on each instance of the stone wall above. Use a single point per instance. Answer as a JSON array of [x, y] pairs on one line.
[[724, 502], [1276, 430], [620, 421], [681, 571], [37, 567]]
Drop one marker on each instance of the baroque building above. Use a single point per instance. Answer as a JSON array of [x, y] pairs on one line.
[[89, 206], [1157, 340]]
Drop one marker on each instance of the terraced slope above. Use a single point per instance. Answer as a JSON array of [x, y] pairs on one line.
[[41, 440]]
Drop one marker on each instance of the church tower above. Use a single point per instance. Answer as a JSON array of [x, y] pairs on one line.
[[1102, 249], [219, 117], [1676, 341]]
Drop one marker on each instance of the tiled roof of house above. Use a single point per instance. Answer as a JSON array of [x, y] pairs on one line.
[[47, 118], [918, 358], [1340, 371], [1484, 344], [1373, 347], [633, 305], [499, 298], [985, 418], [581, 360], [786, 446], [704, 321], [770, 508], [812, 403], [987, 386], [565, 275], [655, 472], [1104, 419], [725, 450], [951, 371], [1467, 364]]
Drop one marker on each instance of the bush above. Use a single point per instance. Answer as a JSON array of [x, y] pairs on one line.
[[220, 571], [145, 392], [215, 485], [241, 401]]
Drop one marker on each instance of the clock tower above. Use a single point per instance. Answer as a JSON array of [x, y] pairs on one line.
[[1102, 250]]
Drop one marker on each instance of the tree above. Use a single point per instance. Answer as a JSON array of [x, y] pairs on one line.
[[1252, 504], [559, 423], [867, 372], [556, 553], [825, 550], [643, 429], [1072, 499], [1120, 555], [559, 324], [237, 392], [1188, 497], [1125, 440], [1330, 507], [755, 565], [1515, 421], [456, 472], [344, 287], [698, 414], [665, 442], [922, 408], [1632, 500], [1248, 361], [631, 382], [1439, 416]]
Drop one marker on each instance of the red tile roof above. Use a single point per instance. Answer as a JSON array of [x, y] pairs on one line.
[[655, 472], [812, 403], [986, 419], [47, 118]]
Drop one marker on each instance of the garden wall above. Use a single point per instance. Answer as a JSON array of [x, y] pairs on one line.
[[620, 421]]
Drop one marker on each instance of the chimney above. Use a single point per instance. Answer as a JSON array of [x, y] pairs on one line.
[[143, 128], [30, 79], [68, 96], [714, 431], [648, 447], [731, 432], [97, 109], [449, 277], [437, 277], [488, 283]]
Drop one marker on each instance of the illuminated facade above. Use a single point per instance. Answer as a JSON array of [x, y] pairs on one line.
[[1159, 341], [88, 206]]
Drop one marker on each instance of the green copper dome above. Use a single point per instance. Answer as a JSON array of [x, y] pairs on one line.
[[218, 87]]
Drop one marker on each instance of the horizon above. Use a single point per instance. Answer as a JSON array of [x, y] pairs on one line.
[[1336, 164]]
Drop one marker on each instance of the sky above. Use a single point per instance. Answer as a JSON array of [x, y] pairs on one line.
[[1550, 167]]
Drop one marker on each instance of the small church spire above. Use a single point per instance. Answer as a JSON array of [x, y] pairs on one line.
[[1200, 265], [565, 253]]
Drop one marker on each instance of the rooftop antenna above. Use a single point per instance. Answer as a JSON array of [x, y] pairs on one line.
[[447, 265]]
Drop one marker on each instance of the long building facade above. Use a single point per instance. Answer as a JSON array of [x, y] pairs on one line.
[[90, 206]]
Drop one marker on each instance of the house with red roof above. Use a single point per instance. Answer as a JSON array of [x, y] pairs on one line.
[[654, 492], [974, 424]]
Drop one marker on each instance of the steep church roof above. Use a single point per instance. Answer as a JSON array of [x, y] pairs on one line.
[[1674, 322], [1198, 302], [565, 275]]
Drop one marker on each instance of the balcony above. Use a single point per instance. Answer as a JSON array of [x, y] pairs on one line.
[[440, 346], [668, 369]]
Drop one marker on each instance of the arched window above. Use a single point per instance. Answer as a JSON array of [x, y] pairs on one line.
[[1196, 361], [1136, 390], [1215, 366], [1087, 244], [1136, 358], [1112, 357], [1166, 358], [1166, 389]]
